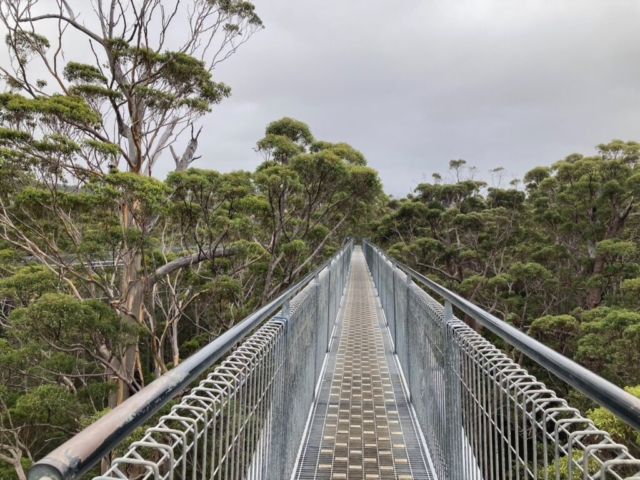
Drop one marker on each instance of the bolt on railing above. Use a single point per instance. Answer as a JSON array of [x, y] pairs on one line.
[[483, 416], [245, 420]]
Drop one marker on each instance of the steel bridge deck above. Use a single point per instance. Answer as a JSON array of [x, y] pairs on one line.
[[361, 426]]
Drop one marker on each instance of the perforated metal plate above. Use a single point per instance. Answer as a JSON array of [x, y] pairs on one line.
[[362, 428]]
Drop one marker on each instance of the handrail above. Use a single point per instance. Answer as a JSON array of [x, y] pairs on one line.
[[613, 398], [80, 453]]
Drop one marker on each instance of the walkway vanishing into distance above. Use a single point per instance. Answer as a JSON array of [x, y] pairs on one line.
[[362, 427], [359, 371]]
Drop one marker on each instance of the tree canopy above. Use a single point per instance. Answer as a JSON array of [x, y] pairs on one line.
[[556, 255], [221, 245]]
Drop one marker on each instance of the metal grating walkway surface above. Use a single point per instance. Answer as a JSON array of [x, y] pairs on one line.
[[362, 427]]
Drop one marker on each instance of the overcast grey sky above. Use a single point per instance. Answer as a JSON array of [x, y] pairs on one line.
[[415, 83]]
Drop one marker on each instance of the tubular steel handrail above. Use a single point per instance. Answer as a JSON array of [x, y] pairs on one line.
[[483, 416], [619, 402], [79, 454]]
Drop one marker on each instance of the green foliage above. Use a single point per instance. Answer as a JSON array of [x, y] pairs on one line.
[[556, 331], [145, 197], [63, 108], [26, 44], [559, 469], [29, 283], [615, 248], [620, 431], [344, 151], [63, 319], [559, 260], [9, 136], [609, 343], [296, 131], [279, 147], [81, 72], [48, 404]]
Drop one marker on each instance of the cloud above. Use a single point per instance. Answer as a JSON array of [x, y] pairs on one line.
[[416, 83]]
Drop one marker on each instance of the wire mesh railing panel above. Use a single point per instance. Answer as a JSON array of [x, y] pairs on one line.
[[297, 392], [483, 416], [246, 420], [400, 336], [324, 322], [513, 426], [425, 375], [209, 434], [388, 296]]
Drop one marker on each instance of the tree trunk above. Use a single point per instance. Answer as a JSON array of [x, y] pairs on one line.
[[20, 471], [594, 294], [269, 278], [14, 460], [174, 342], [133, 290]]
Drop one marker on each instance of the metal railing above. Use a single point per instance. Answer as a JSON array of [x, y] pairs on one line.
[[483, 416], [244, 420]]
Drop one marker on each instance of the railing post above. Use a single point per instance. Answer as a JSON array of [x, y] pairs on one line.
[[406, 337], [376, 260], [330, 269], [337, 281], [316, 373], [395, 310], [382, 292], [281, 394], [379, 270], [453, 411], [378, 263]]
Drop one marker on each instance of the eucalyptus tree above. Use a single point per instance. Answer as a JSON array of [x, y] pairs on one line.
[[312, 192], [210, 212], [559, 260], [454, 231], [589, 207], [97, 94], [203, 266]]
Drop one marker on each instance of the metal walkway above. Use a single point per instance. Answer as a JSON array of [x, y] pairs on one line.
[[361, 427], [304, 389]]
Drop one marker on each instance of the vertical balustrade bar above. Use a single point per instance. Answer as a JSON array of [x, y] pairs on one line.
[[453, 411], [377, 273], [316, 326], [395, 310], [284, 391], [329, 296], [381, 288], [406, 337]]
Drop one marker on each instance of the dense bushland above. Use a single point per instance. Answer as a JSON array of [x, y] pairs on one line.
[[108, 275], [221, 244], [557, 254]]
